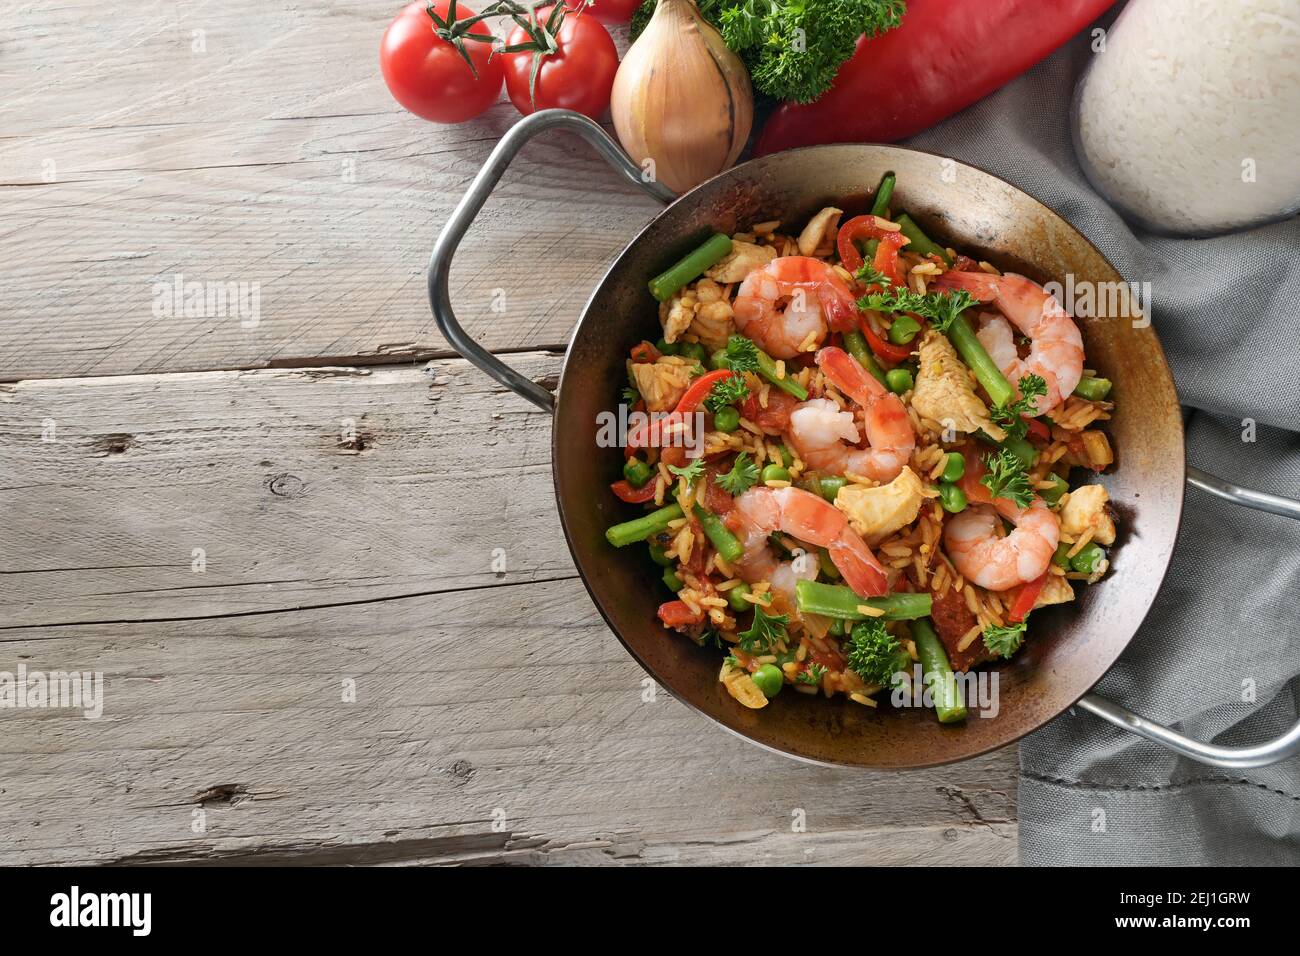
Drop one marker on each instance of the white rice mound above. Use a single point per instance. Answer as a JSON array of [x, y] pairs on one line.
[[1186, 98]]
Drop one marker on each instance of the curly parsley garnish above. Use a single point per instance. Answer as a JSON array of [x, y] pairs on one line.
[[692, 472], [874, 654], [764, 633], [813, 675], [742, 355], [1007, 478], [726, 392], [939, 308], [1004, 641], [1009, 416], [868, 275], [742, 477]]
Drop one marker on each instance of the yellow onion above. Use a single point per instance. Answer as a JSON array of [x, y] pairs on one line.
[[681, 98]]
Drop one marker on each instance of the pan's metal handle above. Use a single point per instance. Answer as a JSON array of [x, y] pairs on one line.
[[1235, 758], [472, 202]]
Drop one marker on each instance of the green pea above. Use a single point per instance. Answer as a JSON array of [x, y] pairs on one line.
[[660, 557], [899, 380], [637, 472], [694, 351], [663, 346], [719, 360], [829, 488], [672, 580], [769, 680], [726, 419], [775, 473], [955, 467], [1088, 558], [1062, 557], [1059, 487], [951, 497], [735, 599], [903, 330]]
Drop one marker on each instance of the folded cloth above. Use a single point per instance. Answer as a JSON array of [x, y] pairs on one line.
[[1218, 657]]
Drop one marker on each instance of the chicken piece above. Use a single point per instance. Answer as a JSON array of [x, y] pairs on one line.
[[944, 393], [1056, 590], [1086, 509], [663, 383], [712, 323], [1093, 451], [676, 315], [818, 237], [876, 513], [743, 259], [742, 687]]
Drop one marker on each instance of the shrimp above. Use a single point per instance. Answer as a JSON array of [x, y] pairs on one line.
[[792, 301], [808, 517], [997, 563], [1056, 350], [819, 431]]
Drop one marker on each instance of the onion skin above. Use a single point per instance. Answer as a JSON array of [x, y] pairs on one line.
[[682, 99]]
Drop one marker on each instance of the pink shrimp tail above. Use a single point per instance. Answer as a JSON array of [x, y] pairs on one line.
[[848, 376], [861, 570], [982, 285]]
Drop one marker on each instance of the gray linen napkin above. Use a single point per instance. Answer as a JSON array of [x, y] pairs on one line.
[[1226, 312]]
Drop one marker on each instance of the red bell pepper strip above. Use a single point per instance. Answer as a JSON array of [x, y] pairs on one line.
[[644, 352], [867, 227], [941, 59], [677, 614], [1024, 602], [1036, 429], [648, 435], [884, 349], [633, 496]]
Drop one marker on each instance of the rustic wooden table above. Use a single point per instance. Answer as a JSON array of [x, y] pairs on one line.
[[271, 523]]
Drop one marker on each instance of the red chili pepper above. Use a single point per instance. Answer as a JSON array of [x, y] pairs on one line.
[[677, 614], [943, 58], [633, 496], [883, 349], [1024, 602]]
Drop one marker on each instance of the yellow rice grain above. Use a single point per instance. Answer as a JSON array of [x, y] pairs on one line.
[[780, 368], [862, 699], [766, 227], [989, 268], [776, 483], [1081, 543], [968, 638], [749, 426], [870, 611]]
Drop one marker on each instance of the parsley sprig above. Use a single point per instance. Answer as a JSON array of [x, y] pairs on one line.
[[939, 308], [1004, 641], [1007, 478], [726, 392], [1009, 415], [874, 654], [742, 355], [813, 675], [692, 472], [742, 477], [764, 634]]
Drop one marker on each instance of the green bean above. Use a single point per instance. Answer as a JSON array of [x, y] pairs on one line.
[[948, 705], [904, 329], [767, 369], [726, 419], [638, 529], [951, 497], [855, 343], [955, 467], [833, 600], [637, 472], [671, 579], [837, 628], [1088, 558], [1062, 556], [972, 352], [774, 473], [899, 380], [690, 267], [884, 192], [1092, 388], [1059, 487], [660, 557], [1022, 449], [920, 243], [728, 544]]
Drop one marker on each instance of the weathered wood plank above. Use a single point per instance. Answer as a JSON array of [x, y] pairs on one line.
[[300, 487], [510, 704], [272, 157]]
